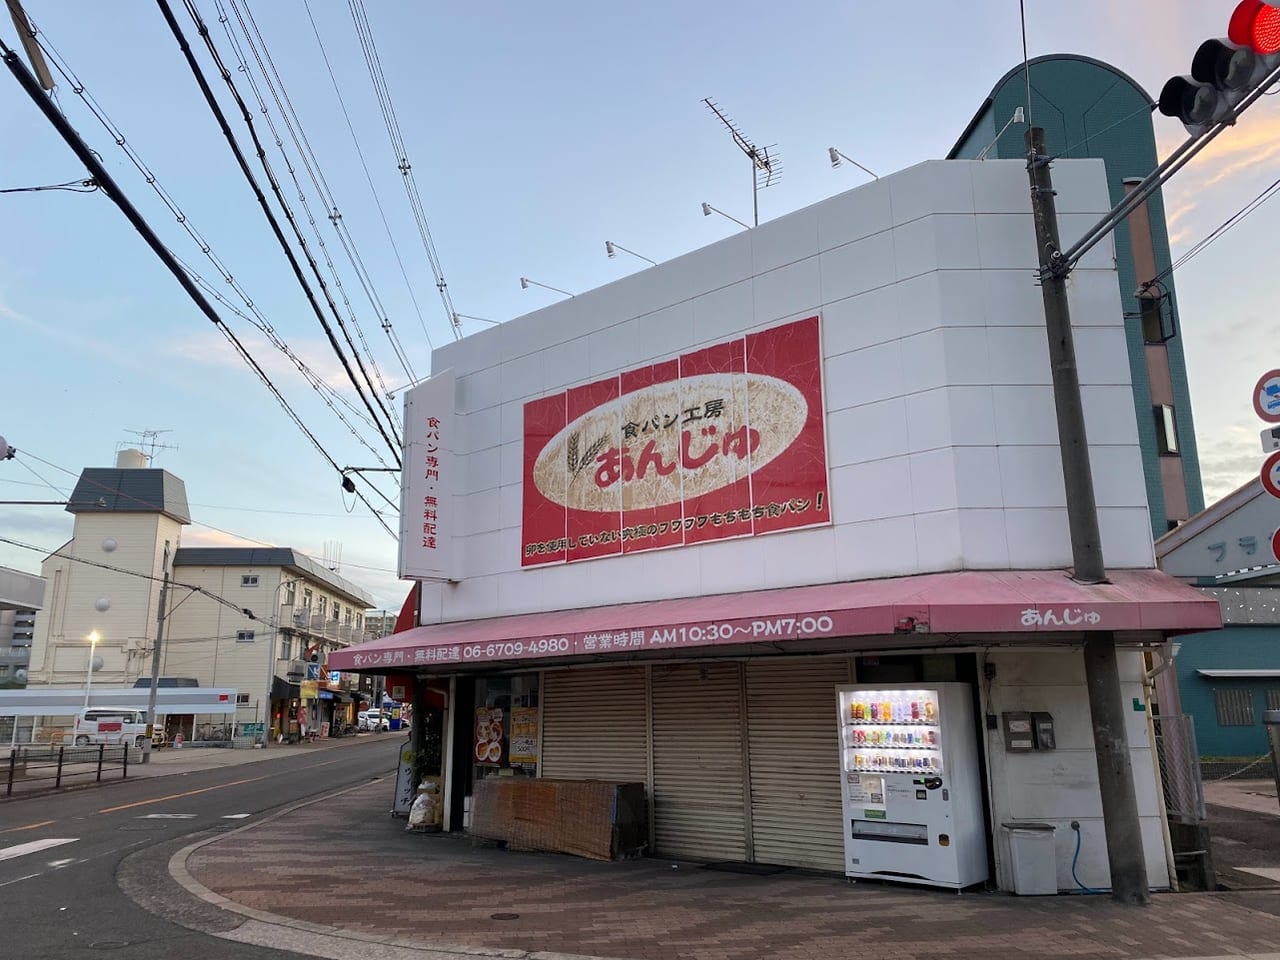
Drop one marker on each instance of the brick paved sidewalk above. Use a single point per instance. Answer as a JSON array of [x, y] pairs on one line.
[[347, 864]]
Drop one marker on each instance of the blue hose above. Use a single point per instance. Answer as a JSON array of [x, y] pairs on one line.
[[1083, 889]]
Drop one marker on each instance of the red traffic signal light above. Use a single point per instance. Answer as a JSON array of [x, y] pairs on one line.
[[1256, 25]]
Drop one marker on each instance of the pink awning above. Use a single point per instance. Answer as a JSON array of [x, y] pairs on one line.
[[971, 601]]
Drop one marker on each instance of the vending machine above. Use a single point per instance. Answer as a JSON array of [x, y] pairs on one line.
[[911, 785]]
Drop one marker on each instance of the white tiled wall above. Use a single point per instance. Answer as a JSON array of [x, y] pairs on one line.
[[1061, 785], [940, 420]]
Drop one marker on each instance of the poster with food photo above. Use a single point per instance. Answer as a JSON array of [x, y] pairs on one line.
[[489, 740]]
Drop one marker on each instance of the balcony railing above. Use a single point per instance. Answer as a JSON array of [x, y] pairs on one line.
[[303, 620]]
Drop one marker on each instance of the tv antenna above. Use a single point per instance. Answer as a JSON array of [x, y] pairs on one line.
[[766, 166], [149, 441]]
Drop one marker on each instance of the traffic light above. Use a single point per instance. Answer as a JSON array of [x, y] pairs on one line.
[[1225, 70]]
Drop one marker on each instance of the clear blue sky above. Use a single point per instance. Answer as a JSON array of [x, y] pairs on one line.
[[536, 132]]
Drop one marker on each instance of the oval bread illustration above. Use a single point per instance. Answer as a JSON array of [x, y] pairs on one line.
[[670, 442]]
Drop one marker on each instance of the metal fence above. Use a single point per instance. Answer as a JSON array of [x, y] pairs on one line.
[[1180, 768], [39, 767]]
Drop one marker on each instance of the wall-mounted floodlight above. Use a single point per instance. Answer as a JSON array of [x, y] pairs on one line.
[[837, 157], [1018, 117], [526, 283], [612, 249], [708, 210]]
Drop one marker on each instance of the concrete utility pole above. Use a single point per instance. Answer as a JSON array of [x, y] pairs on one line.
[[1106, 708], [155, 659]]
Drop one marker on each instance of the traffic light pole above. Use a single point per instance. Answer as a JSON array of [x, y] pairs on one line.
[[1106, 708]]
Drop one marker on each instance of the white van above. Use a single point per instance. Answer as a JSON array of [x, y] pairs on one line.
[[110, 725]]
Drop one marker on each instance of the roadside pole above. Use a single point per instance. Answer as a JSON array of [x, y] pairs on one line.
[[1106, 708], [155, 660]]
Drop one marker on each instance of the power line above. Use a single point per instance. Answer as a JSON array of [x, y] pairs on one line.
[[1199, 246], [355, 140], [95, 167], [326, 392], [72, 186], [312, 163], [293, 175], [230, 137], [373, 62]]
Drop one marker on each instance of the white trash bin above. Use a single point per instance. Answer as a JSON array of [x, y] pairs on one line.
[[1033, 858]]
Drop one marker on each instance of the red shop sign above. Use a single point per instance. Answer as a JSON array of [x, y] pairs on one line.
[[727, 441]]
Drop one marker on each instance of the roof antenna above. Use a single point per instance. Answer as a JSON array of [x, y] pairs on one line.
[[766, 167]]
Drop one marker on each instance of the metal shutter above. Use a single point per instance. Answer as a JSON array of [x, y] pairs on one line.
[[593, 725], [699, 813], [796, 817]]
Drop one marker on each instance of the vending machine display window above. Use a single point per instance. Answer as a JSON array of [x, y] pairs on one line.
[[911, 787]]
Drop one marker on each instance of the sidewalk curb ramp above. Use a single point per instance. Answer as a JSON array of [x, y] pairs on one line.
[[264, 929]]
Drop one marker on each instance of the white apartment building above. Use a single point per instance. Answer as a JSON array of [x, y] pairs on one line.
[[242, 618]]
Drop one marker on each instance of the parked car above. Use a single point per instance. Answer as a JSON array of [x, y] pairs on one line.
[[373, 720], [110, 725]]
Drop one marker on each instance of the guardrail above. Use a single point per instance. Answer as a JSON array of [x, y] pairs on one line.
[[39, 766]]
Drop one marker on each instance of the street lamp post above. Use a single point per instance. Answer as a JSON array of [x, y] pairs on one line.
[[88, 681], [271, 659]]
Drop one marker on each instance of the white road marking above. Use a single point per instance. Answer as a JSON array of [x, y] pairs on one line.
[[1269, 873], [61, 863], [19, 879], [35, 846], [237, 816], [168, 816]]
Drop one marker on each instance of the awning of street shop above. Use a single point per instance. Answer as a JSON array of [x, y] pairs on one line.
[[1036, 603], [284, 690]]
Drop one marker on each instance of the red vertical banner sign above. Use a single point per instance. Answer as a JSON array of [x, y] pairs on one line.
[[594, 493], [545, 537], [790, 491], [715, 443], [651, 443]]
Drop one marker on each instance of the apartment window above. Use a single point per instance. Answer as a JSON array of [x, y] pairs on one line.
[[244, 636], [306, 598], [249, 580], [286, 648], [337, 611], [359, 621], [324, 605], [1157, 319], [241, 698], [290, 592], [1166, 430], [1234, 706]]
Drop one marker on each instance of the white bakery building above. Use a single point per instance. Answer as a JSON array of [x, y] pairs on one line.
[[658, 524]]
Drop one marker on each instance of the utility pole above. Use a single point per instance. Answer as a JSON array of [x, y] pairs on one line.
[[155, 659], [1106, 708]]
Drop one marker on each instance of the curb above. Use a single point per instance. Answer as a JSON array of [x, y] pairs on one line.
[[300, 936]]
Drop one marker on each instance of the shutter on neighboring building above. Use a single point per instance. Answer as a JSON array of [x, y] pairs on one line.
[[593, 725], [697, 762], [1234, 706], [796, 816]]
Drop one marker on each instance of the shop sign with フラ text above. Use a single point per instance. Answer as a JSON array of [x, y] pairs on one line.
[[726, 441], [426, 491]]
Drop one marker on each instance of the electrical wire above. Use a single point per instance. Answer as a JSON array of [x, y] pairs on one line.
[[312, 163], [1199, 246], [243, 66], [131, 573], [326, 392], [373, 63], [214, 106], [387, 327], [72, 186]]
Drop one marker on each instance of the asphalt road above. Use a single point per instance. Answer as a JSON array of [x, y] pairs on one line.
[[67, 860]]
